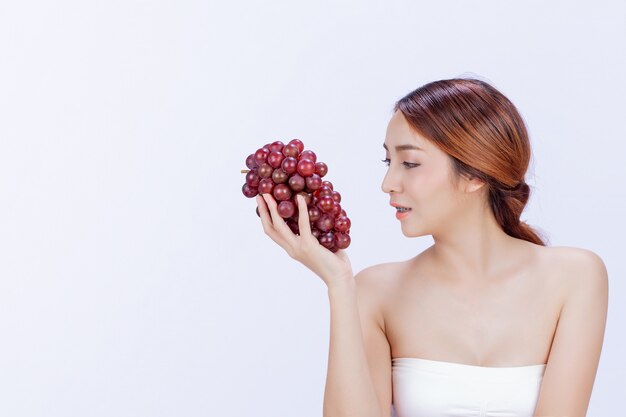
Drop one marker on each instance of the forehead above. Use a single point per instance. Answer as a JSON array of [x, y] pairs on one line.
[[400, 136]]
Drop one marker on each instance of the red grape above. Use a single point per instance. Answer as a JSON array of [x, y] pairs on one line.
[[325, 204], [281, 192], [260, 156], [266, 185], [323, 191], [250, 162], [297, 182], [327, 240], [328, 184], [321, 169], [313, 182], [252, 178], [335, 210], [277, 146], [289, 165], [325, 223], [342, 223], [286, 209], [264, 170], [275, 159], [314, 213], [310, 155], [291, 150], [249, 191], [306, 167], [342, 240], [279, 176], [298, 144]]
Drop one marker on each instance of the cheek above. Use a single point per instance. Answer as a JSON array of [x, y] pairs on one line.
[[429, 184], [433, 194]]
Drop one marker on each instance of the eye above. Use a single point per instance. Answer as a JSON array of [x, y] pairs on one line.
[[407, 165]]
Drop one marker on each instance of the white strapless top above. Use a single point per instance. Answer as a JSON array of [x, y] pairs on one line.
[[428, 388]]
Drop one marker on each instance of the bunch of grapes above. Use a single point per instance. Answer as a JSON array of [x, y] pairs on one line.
[[288, 170]]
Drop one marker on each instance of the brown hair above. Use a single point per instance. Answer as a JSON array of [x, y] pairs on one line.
[[485, 136]]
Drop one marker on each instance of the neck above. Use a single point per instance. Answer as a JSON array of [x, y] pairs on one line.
[[473, 249]]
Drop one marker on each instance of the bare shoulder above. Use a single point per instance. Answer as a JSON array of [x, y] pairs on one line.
[[373, 283], [378, 274], [376, 279], [570, 259], [578, 267]]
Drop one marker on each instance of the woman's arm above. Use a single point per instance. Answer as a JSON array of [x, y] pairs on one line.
[[571, 370], [350, 389]]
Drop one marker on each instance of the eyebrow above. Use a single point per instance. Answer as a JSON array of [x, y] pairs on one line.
[[406, 147]]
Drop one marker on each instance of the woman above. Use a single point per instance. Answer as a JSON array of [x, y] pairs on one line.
[[488, 321]]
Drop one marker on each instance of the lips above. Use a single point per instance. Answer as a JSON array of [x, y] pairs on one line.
[[397, 206]]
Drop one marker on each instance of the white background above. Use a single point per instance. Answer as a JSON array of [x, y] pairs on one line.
[[135, 278]]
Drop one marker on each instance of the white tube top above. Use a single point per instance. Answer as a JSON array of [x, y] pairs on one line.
[[428, 388]]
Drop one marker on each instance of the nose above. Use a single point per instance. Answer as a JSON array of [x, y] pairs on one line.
[[390, 183]]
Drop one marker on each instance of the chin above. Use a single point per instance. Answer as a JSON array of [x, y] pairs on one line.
[[414, 232]]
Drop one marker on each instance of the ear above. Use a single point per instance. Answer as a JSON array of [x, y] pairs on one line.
[[472, 184]]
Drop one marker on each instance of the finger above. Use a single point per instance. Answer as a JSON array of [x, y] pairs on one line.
[[280, 226], [268, 227], [303, 217]]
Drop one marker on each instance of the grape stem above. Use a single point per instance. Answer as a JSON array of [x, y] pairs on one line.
[[245, 171]]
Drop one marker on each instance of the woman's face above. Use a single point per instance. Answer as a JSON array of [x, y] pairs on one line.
[[420, 179]]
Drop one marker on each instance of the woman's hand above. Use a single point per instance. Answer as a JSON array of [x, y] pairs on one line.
[[333, 268]]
